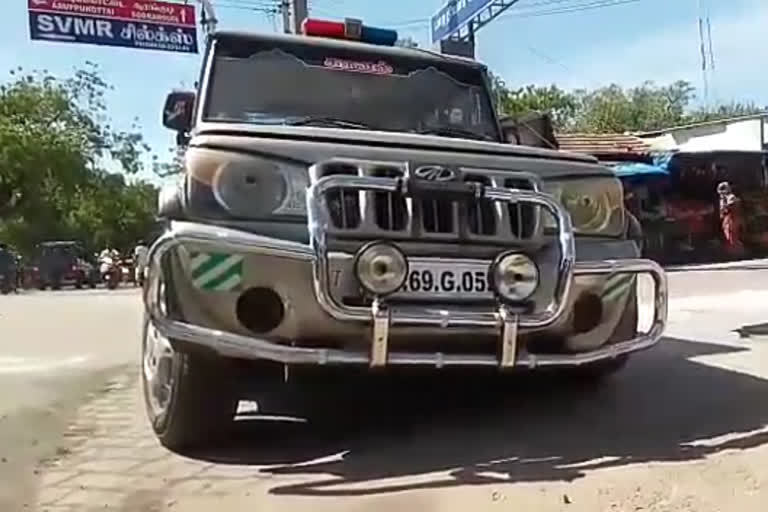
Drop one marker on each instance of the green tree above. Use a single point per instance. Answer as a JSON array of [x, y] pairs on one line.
[[613, 109], [174, 166], [111, 211], [561, 105], [55, 142], [725, 111]]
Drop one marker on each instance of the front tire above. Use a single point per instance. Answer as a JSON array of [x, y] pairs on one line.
[[190, 397]]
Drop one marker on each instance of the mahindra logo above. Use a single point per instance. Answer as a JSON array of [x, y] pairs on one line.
[[435, 173]]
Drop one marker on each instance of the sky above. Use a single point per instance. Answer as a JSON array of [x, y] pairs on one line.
[[625, 44]]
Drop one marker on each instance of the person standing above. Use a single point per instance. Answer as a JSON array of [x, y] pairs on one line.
[[731, 218], [140, 261]]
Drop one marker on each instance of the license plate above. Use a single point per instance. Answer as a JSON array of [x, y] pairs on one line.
[[446, 279]]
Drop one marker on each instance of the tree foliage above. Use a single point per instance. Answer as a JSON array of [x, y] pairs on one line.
[[56, 144], [171, 167], [614, 109], [517, 102]]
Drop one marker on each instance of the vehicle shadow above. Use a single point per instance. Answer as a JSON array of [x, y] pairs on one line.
[[518, 429], [753, 330]]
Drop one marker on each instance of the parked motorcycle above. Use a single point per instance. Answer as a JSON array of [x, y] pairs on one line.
[[126, 268]]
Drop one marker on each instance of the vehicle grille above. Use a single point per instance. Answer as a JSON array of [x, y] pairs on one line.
[[391, 215], [343, 205]]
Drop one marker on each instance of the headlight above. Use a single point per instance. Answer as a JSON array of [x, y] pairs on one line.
[[596, 205], [381, 268], [250, 187], [514, 277]]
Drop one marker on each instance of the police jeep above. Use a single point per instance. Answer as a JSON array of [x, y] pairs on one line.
[[351, 204]]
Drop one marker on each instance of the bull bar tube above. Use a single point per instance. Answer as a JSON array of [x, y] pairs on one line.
[[381, 316]]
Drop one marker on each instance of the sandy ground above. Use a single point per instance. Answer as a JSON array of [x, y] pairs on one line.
[[682, 428]]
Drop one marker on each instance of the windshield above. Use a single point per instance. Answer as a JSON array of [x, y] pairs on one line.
[[56, 252], [302, 84]]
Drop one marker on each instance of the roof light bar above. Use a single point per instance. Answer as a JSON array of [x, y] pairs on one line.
[[351, 30]]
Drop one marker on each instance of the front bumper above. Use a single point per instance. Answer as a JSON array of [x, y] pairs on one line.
[[381, 319]]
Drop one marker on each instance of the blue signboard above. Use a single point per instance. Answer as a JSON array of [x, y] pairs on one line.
[[452, 16], [67, 28]]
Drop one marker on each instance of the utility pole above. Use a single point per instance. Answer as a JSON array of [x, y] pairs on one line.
[[208, 16], [285, 9], [300, 12]]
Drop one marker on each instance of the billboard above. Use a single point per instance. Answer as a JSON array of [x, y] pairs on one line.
[[142, 24], [453, 15]]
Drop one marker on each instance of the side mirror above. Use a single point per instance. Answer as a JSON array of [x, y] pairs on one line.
[[177, 112]]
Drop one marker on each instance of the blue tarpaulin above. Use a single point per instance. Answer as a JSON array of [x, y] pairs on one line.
[[660, 167], [631, 169]]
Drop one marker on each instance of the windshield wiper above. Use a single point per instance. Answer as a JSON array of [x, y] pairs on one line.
[[328, 121], [455, 132]]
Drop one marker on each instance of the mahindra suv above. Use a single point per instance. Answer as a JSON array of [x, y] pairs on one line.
[[356, 205]]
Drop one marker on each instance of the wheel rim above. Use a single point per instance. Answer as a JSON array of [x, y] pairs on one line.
[[157, 370]]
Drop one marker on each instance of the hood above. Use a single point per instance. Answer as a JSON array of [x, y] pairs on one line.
[[381, 139]]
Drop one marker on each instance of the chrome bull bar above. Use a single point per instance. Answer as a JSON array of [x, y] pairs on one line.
[[250, 347], [382, 316], [426, 316]]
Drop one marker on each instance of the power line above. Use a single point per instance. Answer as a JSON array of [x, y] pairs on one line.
[[711, 51], [543, 56], [578, 6], [247, 3], [262, 7], [707, 54], [596, 4]]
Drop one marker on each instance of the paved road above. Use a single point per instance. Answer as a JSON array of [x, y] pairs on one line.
[[55, 349], [683, 428]]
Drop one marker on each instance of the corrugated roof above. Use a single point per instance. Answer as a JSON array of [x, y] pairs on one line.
[[602, 144]]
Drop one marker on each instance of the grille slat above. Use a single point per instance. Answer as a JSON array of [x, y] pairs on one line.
[[481, 214], [343, 205], [437, 216], [522, 218], [389, 209], [383, 214]]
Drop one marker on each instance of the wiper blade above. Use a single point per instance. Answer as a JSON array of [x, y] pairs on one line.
[[328, 121], [456, 132]]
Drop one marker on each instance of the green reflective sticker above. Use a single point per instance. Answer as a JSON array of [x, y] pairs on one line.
[[216, 272], [617, 285]]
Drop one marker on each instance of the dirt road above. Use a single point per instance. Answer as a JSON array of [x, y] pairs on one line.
[[683, 428]]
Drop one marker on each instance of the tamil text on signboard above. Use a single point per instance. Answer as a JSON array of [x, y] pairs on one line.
[[143, 24], [454, 15]]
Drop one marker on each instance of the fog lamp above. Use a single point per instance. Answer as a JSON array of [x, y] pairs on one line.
[[381, 268], [514, 277]]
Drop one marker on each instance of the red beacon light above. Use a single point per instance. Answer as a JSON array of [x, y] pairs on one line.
[[350, 30]]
